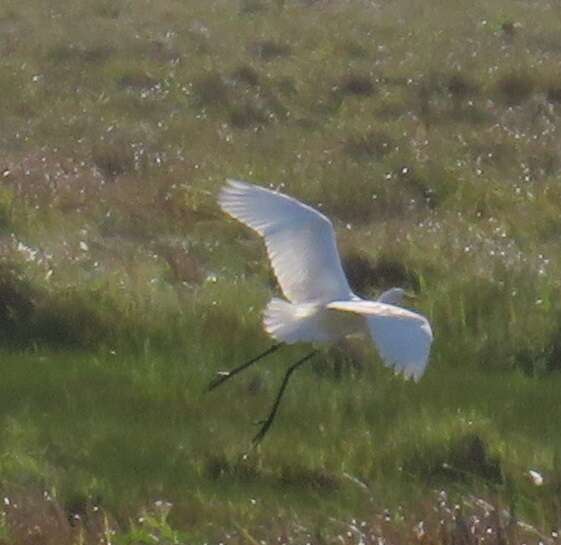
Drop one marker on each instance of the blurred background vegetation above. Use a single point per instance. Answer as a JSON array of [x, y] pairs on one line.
[[428, 132]]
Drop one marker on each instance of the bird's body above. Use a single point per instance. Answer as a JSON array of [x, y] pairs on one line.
[[320, 305], [307, 322]]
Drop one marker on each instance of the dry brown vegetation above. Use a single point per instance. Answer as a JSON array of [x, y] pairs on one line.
[[38, 519]]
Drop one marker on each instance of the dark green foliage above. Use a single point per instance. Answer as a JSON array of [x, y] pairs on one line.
[[267, 50], [113, 157], [374, 145], [463, 458], [356, 84], [210, 90], [386, 272], [17, 302], [514, 88]]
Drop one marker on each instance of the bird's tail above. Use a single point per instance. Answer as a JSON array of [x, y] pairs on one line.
[[290, 323]]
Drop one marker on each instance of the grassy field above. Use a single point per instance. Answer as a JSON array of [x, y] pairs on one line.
[[429, 133]]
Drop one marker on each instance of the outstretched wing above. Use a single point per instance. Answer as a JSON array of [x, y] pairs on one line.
[[300, 241], [403, 338]]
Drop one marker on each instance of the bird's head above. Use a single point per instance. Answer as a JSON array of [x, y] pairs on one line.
[[396, 296]]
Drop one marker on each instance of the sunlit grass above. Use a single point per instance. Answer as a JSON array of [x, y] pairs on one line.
[[120, 432]]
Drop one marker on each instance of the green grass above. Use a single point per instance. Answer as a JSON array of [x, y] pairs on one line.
[[428, 132], [123, 432]]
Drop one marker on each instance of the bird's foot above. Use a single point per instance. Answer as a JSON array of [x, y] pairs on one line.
[[220, 377], [265, 425], [259, 436]]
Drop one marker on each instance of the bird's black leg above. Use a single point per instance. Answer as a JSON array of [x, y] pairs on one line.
[[225, 375], [266, 424]]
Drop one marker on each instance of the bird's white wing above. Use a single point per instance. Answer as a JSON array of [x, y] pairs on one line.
[[300, 241], [403, 338]]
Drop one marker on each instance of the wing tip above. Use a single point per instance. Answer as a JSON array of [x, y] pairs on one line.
[[229, 194], [239, 184]]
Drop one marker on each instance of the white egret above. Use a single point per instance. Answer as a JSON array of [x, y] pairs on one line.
[[320, 305]]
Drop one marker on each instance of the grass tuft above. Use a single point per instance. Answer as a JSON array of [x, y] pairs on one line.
[[356, 85], [516, 87], [268, 50]]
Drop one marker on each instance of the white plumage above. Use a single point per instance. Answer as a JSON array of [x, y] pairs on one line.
[[321, 306]]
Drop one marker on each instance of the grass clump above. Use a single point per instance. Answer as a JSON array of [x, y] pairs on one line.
[[514, 88], [268, 50], [17, 300], [356, 85]]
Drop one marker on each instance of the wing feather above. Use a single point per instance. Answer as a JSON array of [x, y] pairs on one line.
[[403, 337], [300, 241]]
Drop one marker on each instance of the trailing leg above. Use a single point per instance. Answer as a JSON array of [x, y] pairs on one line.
[[223, 376], [266, 424]]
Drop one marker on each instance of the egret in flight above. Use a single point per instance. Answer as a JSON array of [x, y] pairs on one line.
[[319, 305]]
